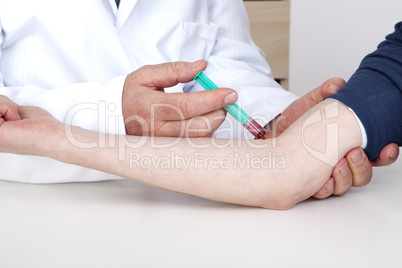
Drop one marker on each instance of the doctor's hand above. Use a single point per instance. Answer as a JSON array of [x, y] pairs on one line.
[[149, 111], [354, 169]]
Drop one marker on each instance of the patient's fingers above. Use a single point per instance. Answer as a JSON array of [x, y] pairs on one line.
[[8, 110]]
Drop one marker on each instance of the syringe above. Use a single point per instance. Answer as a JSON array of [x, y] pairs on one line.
[[248, 122]]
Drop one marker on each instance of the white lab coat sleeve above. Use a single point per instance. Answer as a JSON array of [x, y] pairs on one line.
[[93, 106], [236, 62], [1, 42], [88, 105], [55, 81]]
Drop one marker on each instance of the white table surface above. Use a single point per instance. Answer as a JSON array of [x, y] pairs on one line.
[[126, 224]]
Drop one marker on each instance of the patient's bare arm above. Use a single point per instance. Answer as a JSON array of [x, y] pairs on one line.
[[221, 170]]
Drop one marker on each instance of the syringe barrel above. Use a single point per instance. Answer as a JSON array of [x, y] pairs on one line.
[[255, 129]]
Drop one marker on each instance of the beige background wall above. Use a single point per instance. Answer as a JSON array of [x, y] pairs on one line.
[[330, 37], [269, 22]]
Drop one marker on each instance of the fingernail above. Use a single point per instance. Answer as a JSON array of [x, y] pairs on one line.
[[195, 64], [344, 169], [395, 153], [333, 88], [231, 98], [330, 188], [357, 158]]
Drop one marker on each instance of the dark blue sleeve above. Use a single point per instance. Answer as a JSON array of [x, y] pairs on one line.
[[374, 93]]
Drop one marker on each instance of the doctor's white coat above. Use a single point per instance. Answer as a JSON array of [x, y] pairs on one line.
[[71, 57]]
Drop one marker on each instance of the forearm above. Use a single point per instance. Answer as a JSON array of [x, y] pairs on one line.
[[202, 167], [272, 174]]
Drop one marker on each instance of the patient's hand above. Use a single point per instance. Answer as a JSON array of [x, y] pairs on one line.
[[27, 130], [8, 110], [354, 169]]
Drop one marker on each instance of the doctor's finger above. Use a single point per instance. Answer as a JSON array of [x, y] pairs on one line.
[[196, 127], [167, 74], [180, 106]]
